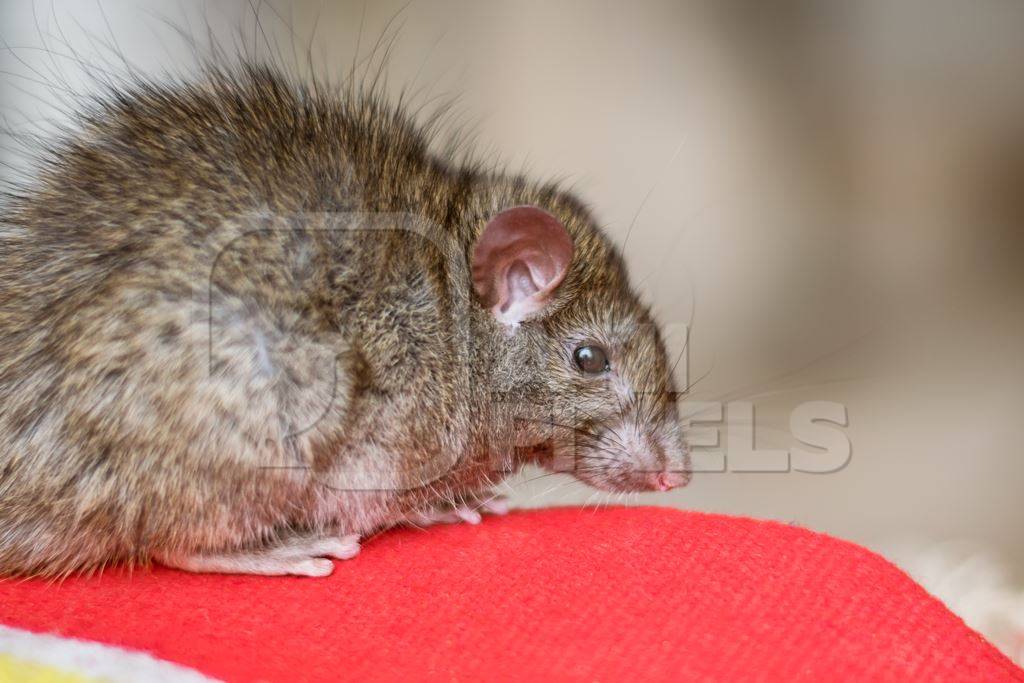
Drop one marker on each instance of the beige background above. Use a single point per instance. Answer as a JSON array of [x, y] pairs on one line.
[[837, 187]]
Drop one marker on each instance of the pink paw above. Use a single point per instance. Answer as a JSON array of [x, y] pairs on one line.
[[469, 513], [300, 556]]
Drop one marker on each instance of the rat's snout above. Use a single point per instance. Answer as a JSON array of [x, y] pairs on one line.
[[666, 481], [673, 469], [667, 458], [631, 457]]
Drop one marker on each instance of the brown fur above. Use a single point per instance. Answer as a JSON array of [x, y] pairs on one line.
[[216, 329]]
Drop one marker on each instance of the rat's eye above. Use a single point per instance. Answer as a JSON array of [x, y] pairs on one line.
[[592, 360]]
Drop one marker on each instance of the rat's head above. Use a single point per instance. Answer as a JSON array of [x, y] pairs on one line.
[[581, 364]]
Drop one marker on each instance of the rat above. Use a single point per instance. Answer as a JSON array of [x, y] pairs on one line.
[[246, 322]]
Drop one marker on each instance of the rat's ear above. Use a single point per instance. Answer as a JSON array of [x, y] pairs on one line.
[[519, 260]]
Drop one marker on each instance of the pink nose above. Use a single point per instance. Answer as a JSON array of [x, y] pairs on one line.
[[666, 481]]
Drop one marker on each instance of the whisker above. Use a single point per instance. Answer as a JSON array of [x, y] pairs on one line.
[[578, 430], [647, 196]]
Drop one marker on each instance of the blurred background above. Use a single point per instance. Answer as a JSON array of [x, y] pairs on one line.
[[833, 192]]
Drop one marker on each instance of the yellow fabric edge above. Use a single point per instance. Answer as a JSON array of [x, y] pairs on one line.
[[14, 670]]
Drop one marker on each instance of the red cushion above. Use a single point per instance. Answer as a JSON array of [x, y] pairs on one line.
[[614, 594]]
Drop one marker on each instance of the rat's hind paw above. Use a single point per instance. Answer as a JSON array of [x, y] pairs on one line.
[[466, 512], [302, 556]]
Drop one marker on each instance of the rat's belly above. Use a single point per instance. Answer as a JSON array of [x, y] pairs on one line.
[[381, 475]]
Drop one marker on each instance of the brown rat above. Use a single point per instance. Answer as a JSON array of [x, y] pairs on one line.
[[245, 321]]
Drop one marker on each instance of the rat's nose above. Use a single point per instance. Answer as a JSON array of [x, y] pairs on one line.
[[666, 481]]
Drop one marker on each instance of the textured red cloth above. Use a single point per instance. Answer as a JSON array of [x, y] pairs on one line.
[[610, 595]]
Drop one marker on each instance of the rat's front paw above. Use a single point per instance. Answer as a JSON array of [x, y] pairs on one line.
[[494, 505], [300, 556], [469, 512]]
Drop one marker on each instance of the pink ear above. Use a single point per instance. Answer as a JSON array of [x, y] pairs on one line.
[[519, 260]]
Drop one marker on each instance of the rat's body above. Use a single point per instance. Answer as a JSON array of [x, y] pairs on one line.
[[238, 314]]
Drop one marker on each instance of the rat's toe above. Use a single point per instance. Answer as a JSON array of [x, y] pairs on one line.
[[313, 567], [498, 505], [468, 514], [344, 548], [307, 547]]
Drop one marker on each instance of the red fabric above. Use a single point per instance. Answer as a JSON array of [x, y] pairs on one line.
[[617, 594]]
